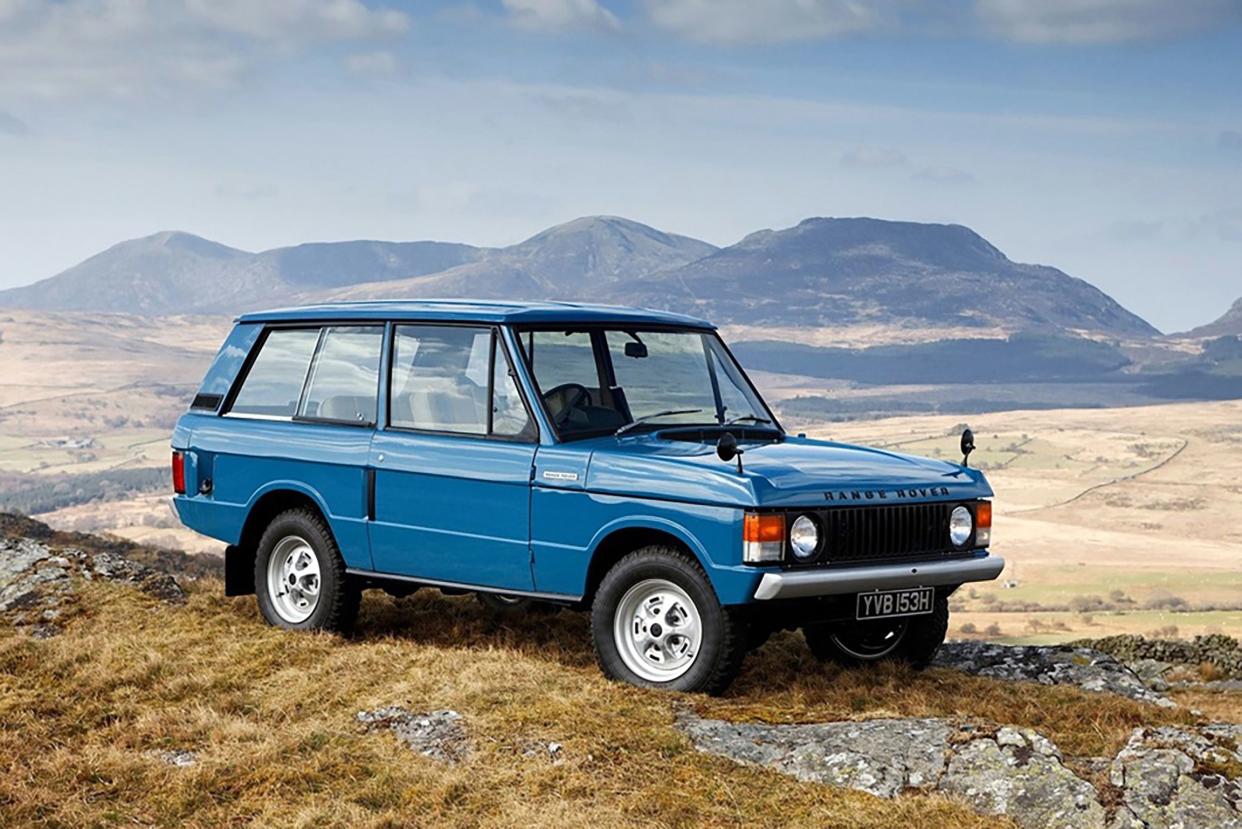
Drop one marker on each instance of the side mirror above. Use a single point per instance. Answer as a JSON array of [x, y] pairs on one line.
[[968, 446], [727, 449], [636, 350]]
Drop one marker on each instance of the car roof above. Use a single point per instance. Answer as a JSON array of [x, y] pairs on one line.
[[470, 310]]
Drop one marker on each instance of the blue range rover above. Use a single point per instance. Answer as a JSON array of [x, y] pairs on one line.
[[610, 459]]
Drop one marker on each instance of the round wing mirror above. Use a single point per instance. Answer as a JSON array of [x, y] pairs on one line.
[[968, 445], [726, 447]]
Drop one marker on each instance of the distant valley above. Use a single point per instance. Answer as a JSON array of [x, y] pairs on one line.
[[850, 305], [854, 303]]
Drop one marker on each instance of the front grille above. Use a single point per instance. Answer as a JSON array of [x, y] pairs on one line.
[[890, 532]]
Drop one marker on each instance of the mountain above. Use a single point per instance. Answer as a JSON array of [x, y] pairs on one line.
[[174, 272], [1230, 323], [584, 259], [336, 264], [822, 272], [827, 271], [165, 273]]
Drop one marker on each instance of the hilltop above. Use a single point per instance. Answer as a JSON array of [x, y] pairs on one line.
[[148, 702], [1229, 324]]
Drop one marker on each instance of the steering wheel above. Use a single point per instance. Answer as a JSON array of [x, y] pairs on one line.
[[575, 395]]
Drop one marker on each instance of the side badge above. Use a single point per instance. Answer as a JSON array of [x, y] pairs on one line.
[[553, 475]]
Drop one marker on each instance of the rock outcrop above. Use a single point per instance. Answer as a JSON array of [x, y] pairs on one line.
[[1164, 777], [36, 580], [439, 735], [1085, 668]]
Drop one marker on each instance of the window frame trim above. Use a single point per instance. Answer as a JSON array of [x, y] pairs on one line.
[[226, 408], [602, 328], [529, 436]]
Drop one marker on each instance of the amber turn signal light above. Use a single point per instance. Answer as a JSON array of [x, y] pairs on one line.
[[983, 514], [763, 537]]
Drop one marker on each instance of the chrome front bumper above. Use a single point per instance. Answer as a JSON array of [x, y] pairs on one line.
[[799, 584]]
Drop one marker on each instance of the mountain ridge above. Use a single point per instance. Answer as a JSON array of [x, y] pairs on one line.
[[824, 271], [1229, 323]]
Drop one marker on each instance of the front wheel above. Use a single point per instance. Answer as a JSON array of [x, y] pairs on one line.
[[656, 622], [912, 639], [300, 577]]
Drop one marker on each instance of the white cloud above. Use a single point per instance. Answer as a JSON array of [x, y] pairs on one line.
[[744, 22], [372, 64], [773, 21], [59, 48], [299, 19], [561, 15], [872, 157], [1101, 21]]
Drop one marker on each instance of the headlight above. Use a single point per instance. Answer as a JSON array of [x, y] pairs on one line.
[[804, 538], [961, 523]]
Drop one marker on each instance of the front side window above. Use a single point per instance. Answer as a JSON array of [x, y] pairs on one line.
[[344, 376], [273, 386], [567, 372], [596, 380], [454, 379]]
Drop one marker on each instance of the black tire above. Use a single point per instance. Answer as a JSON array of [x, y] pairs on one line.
[[339, 594], [920, 638], [723, 633], [504, 605]]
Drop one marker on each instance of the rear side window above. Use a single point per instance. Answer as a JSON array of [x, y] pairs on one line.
[[224, 369], [344, 376], [273, 386]]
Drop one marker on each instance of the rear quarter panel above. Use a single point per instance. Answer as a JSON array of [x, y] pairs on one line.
[[247, 459]]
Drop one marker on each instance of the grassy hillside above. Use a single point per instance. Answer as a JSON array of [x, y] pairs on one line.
[[270, 718]]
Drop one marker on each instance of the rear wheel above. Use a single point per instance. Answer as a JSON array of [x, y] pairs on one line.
[[656, 622], [300, 575], [505, 605], [912, 639]]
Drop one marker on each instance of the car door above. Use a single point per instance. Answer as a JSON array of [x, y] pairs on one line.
[[452, 464]]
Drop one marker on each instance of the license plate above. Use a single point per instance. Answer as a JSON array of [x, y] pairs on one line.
[[885, 604]]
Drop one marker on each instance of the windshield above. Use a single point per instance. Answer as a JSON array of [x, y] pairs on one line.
[[594, 381]]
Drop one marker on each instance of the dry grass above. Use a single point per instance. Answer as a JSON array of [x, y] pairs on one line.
[[270, 717]]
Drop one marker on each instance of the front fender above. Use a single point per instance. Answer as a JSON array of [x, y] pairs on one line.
[[655, 523]]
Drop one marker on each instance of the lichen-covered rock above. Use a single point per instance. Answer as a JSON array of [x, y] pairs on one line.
[[1167, 778], [439, 735], [1049, 665], [1172, 777], [1019, 773], [178, 758], [1152, 672], [36, 579], [882, 757]]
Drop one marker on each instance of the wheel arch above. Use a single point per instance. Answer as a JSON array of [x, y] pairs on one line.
[[616, 540], [266, 505]]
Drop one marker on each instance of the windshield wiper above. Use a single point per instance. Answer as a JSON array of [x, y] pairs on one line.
[[751, 418], [638, 421]]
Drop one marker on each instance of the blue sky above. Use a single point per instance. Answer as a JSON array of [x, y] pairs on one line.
[[1100, 136]]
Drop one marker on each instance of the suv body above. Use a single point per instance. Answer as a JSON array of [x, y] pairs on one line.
[[595, 457]]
